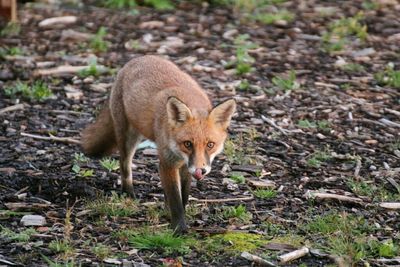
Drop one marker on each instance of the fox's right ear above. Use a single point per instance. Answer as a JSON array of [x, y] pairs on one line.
[[177, 111]]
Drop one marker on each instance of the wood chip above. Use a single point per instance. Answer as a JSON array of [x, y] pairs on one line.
[[65, 20], [256, 259], [11, 108], [65, 70], [296, 254], [25, 206], [67, 140], [33, 220], [390, 205], [262, 183]]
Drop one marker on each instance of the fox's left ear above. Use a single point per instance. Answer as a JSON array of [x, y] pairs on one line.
[[223, 112]]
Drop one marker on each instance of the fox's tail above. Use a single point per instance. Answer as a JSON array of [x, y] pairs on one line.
[[98, 139]]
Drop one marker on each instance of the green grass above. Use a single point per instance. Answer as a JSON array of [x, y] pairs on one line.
[[97, 43], [371, 190], [241, 149], [91, 70], [80, 157], [36, 91], [22, 236], [11, 29], [113, 206], [101, 251], [341, 30], [237, 178], [322, 125], [243, 62], [67, 263], [318, 158], [286, 84], [61, 247], [388, 77], [265, 193], [109, 164], [353, 68], [157, 4], [161, 240], [272, 18], [237, 214]]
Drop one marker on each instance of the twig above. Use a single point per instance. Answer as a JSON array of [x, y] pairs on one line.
[[273, 124], [61, 70], [390, 123], [390, 205], [25, 206], [293, 255], [221, 200], [67, 140], [256, 259], [324, 196], [357, 170], [12, 108]]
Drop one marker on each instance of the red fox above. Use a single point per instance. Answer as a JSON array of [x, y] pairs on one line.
[[153, 99]]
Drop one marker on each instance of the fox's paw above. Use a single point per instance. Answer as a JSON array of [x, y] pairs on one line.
[[129, 191], [180, 229]]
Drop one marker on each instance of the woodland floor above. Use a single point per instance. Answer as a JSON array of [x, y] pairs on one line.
[[333, 128]]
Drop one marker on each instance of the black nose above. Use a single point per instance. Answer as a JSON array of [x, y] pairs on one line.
[[203, 171]]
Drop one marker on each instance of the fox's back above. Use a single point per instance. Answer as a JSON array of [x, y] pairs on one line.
[[143, 86]]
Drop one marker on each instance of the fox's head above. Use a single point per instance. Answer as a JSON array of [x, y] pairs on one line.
[[198, 136]]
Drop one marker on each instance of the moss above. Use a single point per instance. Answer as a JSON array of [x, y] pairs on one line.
[[239, 242]]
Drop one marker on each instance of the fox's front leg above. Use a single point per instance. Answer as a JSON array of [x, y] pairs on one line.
[[171, 183], [186, 179]]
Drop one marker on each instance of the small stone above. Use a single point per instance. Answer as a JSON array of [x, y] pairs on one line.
[[153, 24], [33, 220], [371, 142], [229, 34], [262, 183]]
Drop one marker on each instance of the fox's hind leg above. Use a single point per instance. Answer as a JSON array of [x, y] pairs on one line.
[[127, 140]]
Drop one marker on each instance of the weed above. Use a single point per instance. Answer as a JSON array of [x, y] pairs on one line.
[[340, 31], [388, 77], [154, 213], [5, 214], [244, 61], [286, 84], [61, 246], [12, 28], [362, 188], [322, 125], [113, 206], [265, 193], [101, 251], [239, 214], [353, 68], [244, 85], [237, 178], [272, 18], [97, 43], [318, 158], [14, 51], [234, 243], [68, 263], [82, 172], [36, 91], [92, 70], [160, 4], [80, 157], [119, 4], [162, 240], [157, 4], [370, 5], [240, 149], [23, 236], [110, 164]]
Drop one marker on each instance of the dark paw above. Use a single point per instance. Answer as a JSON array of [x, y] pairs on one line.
[[180, 229], [129, 191]]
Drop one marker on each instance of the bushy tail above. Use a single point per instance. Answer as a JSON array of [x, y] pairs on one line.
[[98, 139]]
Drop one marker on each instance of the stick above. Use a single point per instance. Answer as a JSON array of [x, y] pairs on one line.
[[390, 123], [25, 206], [273, 124], [60, 70], [12, 108], [293, 255], [322, 196], [221, 200], [53, 138], [357, 170], [390, 205], [256, 259]]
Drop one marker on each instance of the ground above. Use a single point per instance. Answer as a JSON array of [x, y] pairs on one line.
[[318, 97]]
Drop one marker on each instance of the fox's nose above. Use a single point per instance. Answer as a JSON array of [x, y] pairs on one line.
[[199, 173]]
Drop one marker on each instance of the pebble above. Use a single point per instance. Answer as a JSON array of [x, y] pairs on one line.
[[33, 220]]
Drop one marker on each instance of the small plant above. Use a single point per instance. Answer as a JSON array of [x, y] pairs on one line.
[[110, 164], [318, 158], [120, 4], [322, 125], [68, 263], [162, 240], [80, 157], [237, 178], [352, 68], [101, 251], [389, 77], [157, 4], [113, 206], [92, 70], [239, 214], [61, 246], [265, 193], [97, 43], [82, 172], [244, 85], [341, 30], [23, 236], [286, 84], [272, 18], [37, 91], [160, 4], [244, 61], [12, 28], [240, 149]]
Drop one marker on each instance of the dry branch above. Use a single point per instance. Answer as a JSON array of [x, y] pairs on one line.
[[390, 205], [256, 259], [25, 206], [66, 69], [67, 140], [329, 196], [222, 200], [296, 254], [12, 108]]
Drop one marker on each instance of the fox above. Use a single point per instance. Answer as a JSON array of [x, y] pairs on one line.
[[153, 99]]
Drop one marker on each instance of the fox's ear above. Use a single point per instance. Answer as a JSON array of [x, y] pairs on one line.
[[223, 112], [177, 111]]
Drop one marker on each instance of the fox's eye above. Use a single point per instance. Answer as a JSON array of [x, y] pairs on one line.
[[210, 145], [188, 144]]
